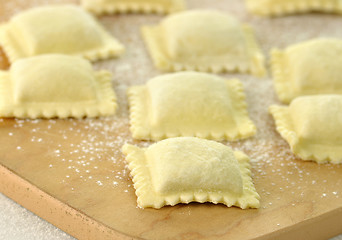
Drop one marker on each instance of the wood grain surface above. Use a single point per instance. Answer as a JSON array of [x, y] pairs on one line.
[[72, 172]]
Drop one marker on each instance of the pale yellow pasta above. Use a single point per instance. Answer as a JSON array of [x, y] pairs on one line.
[[134, 6], [55, 85], [308, 68], [312, 125], [189, 104], [284, 7], [204, 40], [188, 169], [63, 29]]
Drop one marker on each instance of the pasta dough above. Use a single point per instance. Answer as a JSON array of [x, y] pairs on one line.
[[204, 40], [189, 104], [283, 7], [124, 6], [55, 86], [312, 125], [187, 169], [64, 29], [312, 67]]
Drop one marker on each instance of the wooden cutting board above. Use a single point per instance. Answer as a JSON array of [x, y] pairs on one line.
[[72, 173]]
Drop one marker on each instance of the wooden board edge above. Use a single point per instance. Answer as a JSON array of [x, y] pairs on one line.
[[325, 226], [54, 211], [65, 217]]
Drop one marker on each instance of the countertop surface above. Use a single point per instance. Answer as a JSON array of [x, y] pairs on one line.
[[18, 223]]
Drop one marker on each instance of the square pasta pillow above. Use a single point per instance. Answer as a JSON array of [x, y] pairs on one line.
[[63, 29], [136, 6], [284, 7], [189, 104], [49, 86], [308, 68], [312, 125], [188, 169], [204, 40]]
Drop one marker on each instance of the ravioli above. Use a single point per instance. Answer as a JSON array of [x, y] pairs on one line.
[[189, 104], [204, 40], [308, 68], [63, 29], [49, 86], [312, 125], [285, 7], [188, 169], [135, 6]]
